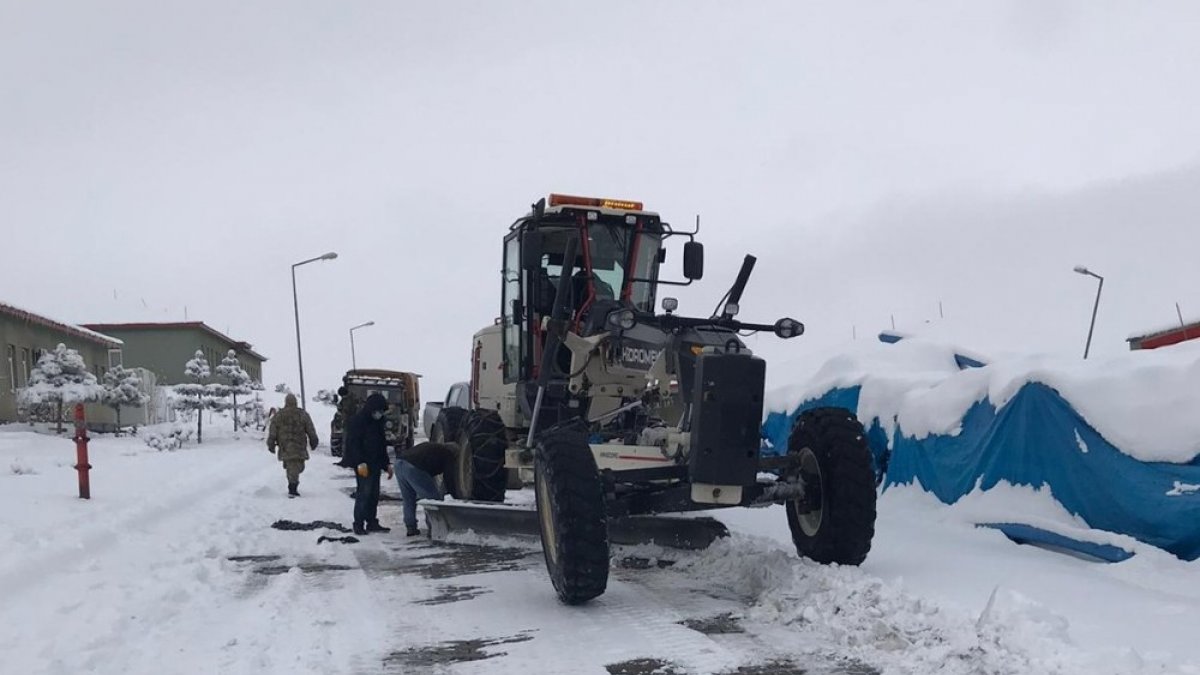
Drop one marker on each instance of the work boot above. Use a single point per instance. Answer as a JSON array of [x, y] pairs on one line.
[[360, 529], [376, 527], [292, 492], [412, 532]]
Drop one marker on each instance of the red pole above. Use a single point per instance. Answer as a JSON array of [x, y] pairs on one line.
[[81, 454]]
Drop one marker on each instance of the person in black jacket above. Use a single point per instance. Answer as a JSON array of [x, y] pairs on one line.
[[366, 450], [415, 470]]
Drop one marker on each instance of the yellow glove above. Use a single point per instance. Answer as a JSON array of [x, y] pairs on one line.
[[363, 470]]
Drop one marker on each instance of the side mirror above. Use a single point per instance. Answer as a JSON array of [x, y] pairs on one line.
[[531, 250], [693, 260]]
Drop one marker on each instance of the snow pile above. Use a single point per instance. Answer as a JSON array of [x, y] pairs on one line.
[[847, 612], [886, 374], [20, 467], [172, 439], [915, 387]]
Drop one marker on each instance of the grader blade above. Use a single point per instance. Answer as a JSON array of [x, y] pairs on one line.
[[510, 520]]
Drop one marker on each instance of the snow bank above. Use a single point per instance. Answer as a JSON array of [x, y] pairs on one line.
[[850, 613], [1144, 402]]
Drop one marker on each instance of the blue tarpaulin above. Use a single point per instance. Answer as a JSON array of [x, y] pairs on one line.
[[1036, 439]]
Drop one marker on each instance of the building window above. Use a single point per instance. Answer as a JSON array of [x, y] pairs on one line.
[[24, 367], [115, 358], [12, 368]]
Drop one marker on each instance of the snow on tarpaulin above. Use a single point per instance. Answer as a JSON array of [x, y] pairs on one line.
[[1116, 441]]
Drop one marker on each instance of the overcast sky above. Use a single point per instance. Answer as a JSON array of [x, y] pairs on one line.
[[157, 156]]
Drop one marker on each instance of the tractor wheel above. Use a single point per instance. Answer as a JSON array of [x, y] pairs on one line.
[[479, 472], [574, 525], [445, 427], [834, 521]]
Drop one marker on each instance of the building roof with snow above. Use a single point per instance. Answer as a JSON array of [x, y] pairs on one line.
[[165, 347], [240, 345], [1165, 336], [82, 332]]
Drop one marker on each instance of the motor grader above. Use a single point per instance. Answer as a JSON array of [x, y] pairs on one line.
[[617, 414]]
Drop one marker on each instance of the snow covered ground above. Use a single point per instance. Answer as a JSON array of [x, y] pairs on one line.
[[174, 566]]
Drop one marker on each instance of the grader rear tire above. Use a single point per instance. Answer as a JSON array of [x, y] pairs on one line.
[[479, 472], [572, 517], [835, 520]]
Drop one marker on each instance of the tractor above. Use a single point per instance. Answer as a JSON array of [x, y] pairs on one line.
[[613, 411]]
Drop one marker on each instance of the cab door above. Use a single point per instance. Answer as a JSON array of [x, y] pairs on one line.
[[513, 311]]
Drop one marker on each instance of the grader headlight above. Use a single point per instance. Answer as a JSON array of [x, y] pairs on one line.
[[624, 319]]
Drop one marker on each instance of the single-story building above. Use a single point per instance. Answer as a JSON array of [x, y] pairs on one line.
[[24, 336], [164, 348], [1166, 336]]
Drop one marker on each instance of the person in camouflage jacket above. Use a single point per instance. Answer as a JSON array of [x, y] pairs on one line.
[[292, 432]]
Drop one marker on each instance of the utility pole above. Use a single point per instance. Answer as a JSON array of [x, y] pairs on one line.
[[1080, 269], [296, 307]]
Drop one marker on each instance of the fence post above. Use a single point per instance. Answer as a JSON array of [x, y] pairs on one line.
[[81, 453]]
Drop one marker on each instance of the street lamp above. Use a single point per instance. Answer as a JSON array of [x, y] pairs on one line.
[[353, 359], [1080, 269], [296, 307]]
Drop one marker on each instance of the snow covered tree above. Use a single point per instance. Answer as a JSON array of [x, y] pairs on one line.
[[197, 394], [254, 407], [326, 396], [237, 382], [122, 387], [282, 388], [60, 378]]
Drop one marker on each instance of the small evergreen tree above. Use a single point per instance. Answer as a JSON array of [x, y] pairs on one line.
[[282, 388], [326, 396], [122, 387], [237, 382], [60, 378], [254, 407], [196, 394]]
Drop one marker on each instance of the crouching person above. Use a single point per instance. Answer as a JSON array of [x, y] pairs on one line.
[[416, 469]]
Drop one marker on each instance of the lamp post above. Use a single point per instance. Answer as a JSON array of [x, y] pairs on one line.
[[353, 358], [1080, 269], [296, 307]]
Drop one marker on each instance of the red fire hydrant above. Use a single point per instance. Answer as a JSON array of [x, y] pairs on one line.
[[81, 455]]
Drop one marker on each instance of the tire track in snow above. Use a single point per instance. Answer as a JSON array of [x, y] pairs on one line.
[[120, 598], [25, 576]]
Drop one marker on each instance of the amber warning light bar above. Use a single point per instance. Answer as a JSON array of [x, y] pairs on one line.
[[619, 204]]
